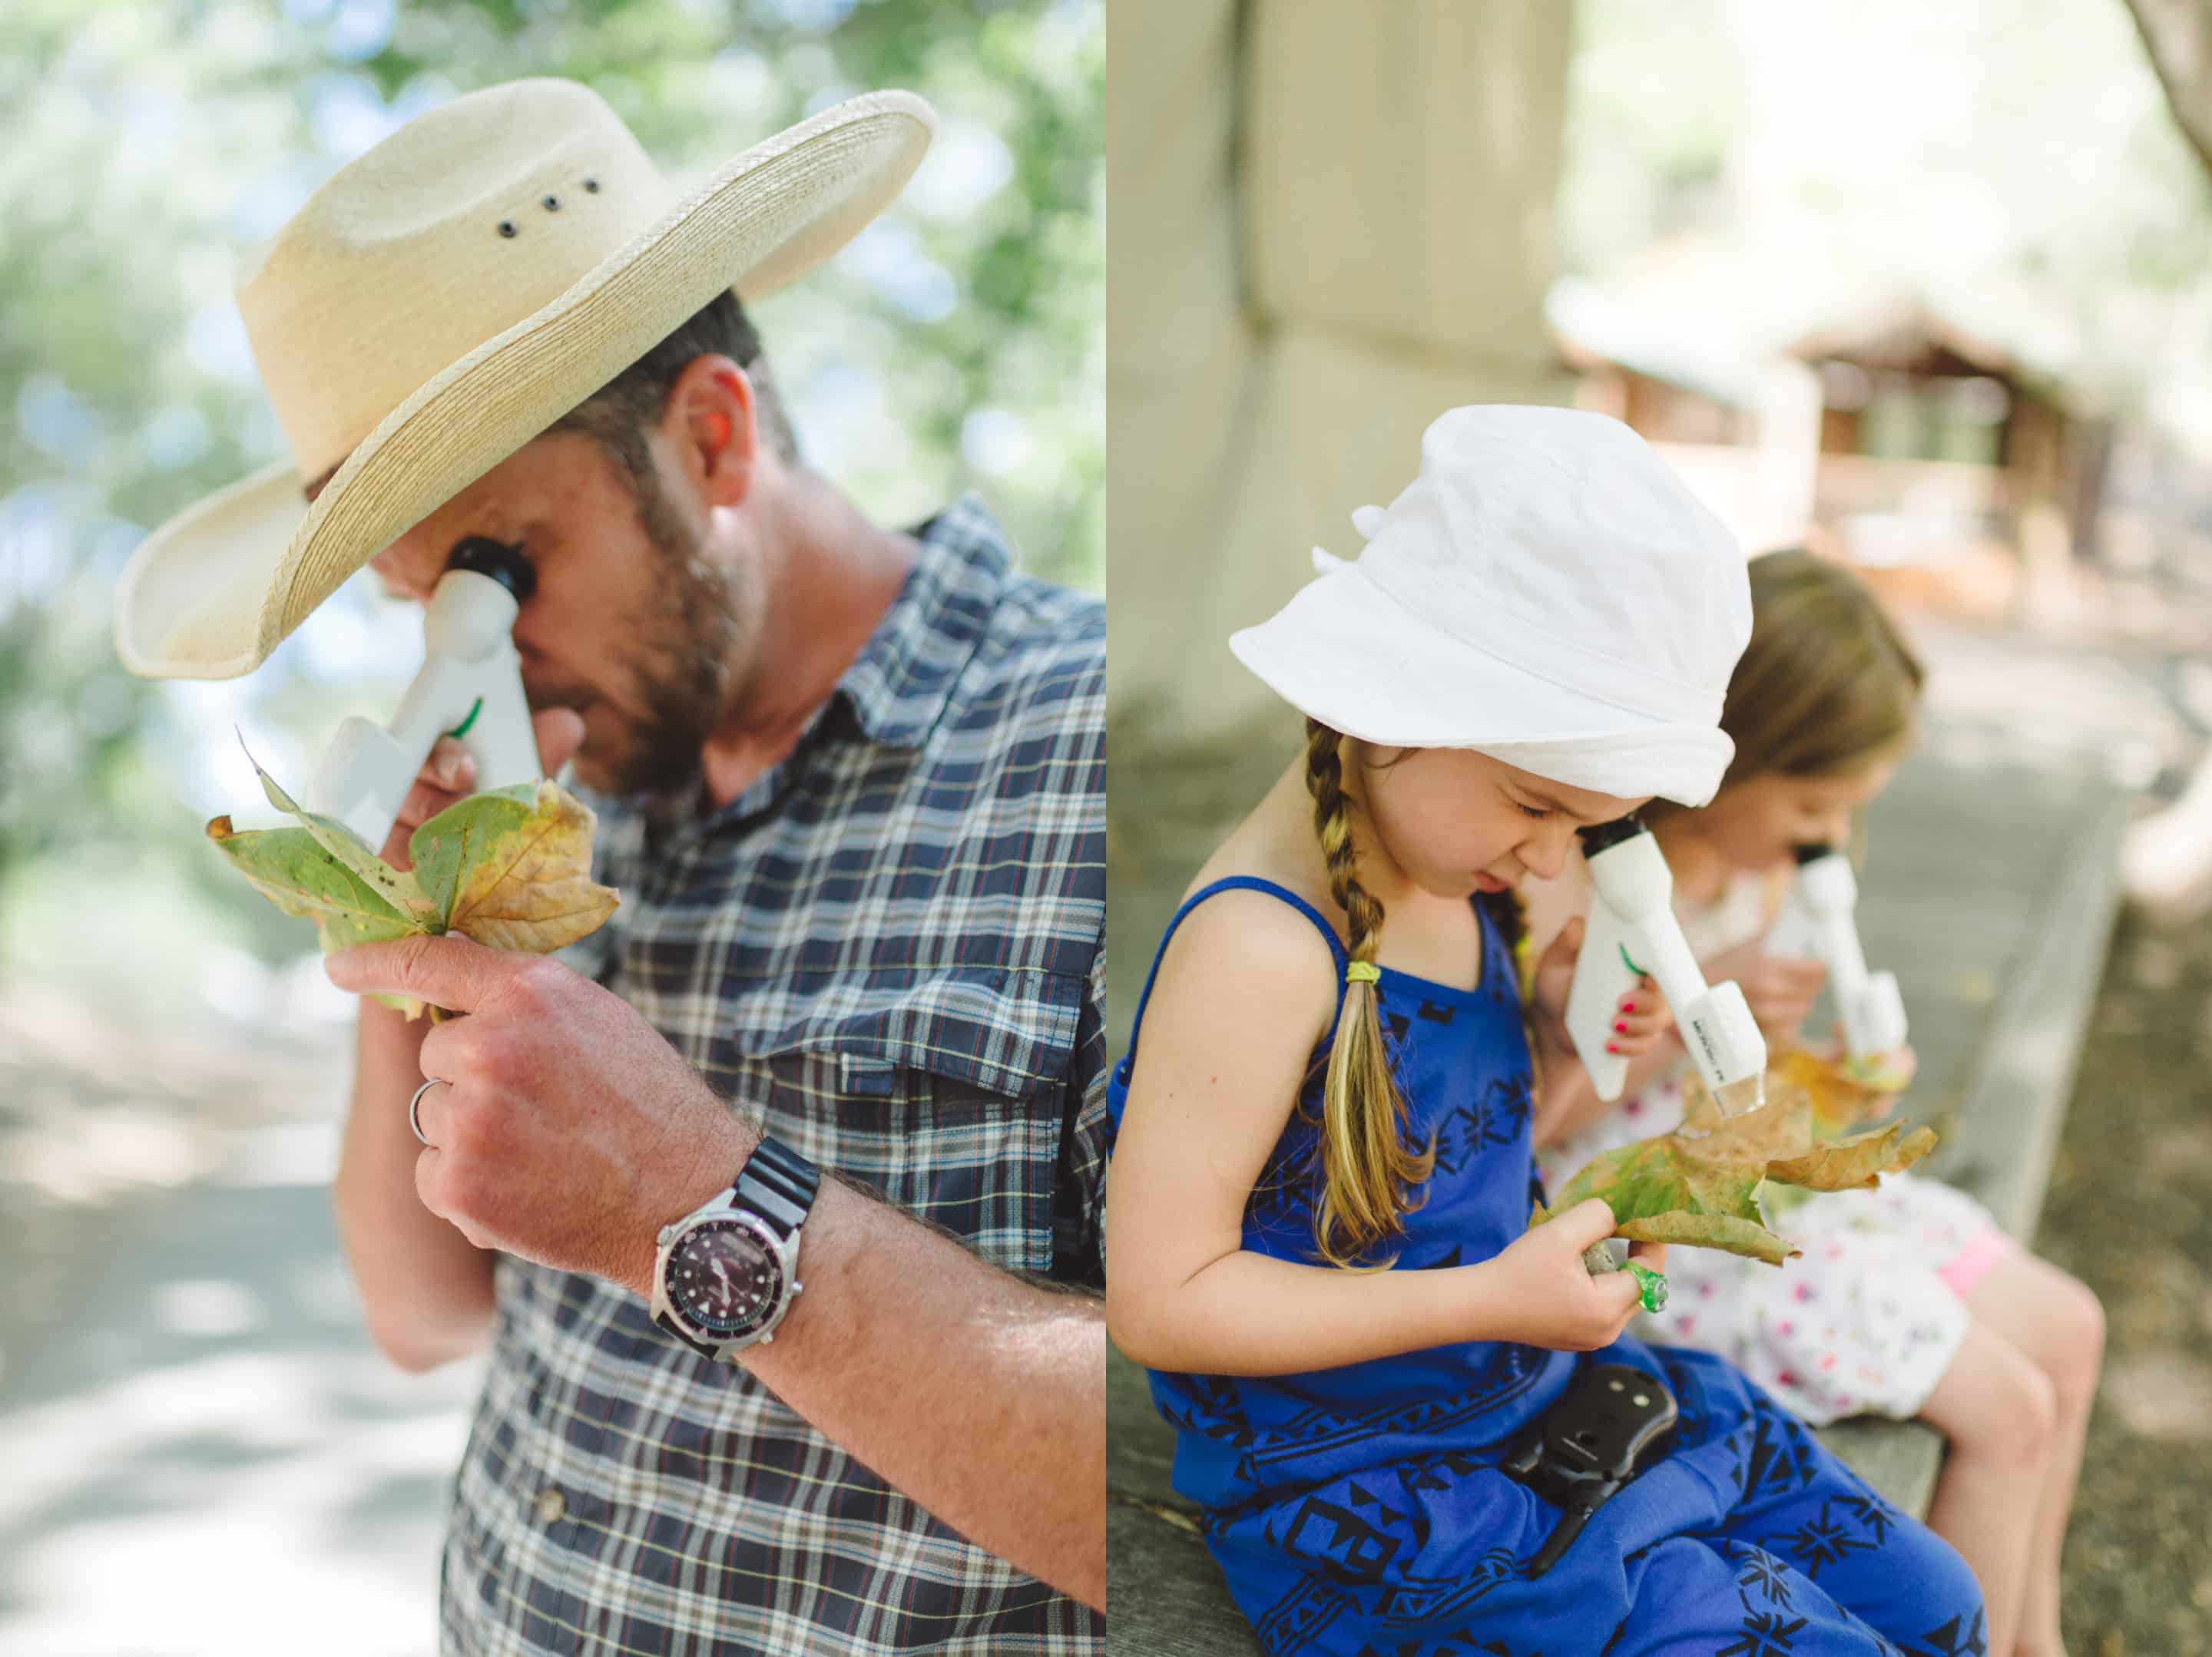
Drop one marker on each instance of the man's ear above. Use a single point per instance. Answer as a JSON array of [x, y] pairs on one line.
[[709, 425]]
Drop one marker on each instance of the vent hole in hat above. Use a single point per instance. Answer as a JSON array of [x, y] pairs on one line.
[[552, 204], [507, 227], [591, 184]]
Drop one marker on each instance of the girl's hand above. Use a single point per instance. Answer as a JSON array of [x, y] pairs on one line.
[[1545, 1294], [1780, 989], [1640, 1022]]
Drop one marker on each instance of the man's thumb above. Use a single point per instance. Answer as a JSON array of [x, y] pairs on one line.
[[560, 734]]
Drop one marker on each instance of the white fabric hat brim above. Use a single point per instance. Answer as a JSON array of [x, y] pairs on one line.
[[1347, 654], [212, 591]]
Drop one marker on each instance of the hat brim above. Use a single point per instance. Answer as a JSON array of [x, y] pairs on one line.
[[212, 591], [1346, 653]]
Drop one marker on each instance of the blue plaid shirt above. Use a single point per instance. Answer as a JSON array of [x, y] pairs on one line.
[[890, 949]]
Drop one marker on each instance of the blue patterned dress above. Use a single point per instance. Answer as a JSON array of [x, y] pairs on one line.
[[1359, 1510]]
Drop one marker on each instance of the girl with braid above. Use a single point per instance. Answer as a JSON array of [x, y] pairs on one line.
[[1318, 1226]]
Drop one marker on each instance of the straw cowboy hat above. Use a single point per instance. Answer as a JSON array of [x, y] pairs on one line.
[[448, 295]]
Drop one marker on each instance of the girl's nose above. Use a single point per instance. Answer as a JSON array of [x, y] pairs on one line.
[[1545, 851]]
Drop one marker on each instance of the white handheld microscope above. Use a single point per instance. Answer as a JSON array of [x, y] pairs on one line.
[[1632, 931], [1816, 921], [470, 687]]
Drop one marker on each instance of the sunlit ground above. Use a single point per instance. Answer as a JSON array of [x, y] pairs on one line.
[[203, 1452], [2127, 1214]]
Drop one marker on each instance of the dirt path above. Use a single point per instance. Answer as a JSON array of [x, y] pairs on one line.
[[2129, 1212], [189, 1403]]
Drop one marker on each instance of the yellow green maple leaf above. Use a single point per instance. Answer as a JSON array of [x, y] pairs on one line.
[[1844, 1094], [1701, 1185], [512, 872], [509, 868]]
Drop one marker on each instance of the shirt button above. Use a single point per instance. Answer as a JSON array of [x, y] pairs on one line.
[[551, 1505]]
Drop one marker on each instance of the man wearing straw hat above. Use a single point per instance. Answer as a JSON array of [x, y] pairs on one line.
[[851, 784]]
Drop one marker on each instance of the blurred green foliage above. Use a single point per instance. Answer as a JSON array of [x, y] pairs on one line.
[[151, 143]]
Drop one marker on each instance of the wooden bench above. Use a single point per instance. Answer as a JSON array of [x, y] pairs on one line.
[[1989, 892]]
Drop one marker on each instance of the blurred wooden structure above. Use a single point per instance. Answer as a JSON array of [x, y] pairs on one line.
[[1958, 478], [1960, 481], [1743, 434], [1663, 404]]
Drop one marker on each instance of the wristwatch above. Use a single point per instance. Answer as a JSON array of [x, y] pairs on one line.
[[728, 1272]]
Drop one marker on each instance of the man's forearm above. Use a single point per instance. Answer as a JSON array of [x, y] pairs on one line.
[[425, 1288], [979, 1396]]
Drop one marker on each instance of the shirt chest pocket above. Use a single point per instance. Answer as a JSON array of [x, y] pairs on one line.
[[948, 1095]]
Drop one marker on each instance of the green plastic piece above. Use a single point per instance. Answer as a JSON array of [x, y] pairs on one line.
[[462, 729], [1654, 1284]]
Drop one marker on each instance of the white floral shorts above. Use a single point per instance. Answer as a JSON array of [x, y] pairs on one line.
[[1866, 1319]]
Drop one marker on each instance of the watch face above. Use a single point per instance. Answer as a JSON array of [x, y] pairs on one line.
[[723, 1278]]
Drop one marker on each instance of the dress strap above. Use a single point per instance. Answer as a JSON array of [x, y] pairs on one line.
[[1245, 883]]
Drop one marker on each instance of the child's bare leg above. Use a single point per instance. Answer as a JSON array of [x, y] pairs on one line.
[[2059, 1323], [2000, 1413]]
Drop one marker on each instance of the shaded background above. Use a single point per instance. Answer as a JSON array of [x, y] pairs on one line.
[[202, 1453], [1926, 288]]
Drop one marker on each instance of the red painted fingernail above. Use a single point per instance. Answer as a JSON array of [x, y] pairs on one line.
[[1621, 1030], [1628, 1006], [1609, 1047]]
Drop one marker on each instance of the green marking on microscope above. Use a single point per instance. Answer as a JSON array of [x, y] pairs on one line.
[[1627, 962], [462, 729]]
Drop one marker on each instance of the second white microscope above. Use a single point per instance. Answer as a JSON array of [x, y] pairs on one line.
[[1817, 921]]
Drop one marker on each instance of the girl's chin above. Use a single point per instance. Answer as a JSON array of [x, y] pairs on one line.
[[1490, 883]]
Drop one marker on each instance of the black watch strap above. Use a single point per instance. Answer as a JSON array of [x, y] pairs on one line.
[[668, 1326], [779, 1184]]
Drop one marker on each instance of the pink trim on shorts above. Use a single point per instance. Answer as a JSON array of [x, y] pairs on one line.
[[1972, 1263]]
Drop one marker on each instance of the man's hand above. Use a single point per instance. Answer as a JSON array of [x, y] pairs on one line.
[[572, 1131], [449, 774]]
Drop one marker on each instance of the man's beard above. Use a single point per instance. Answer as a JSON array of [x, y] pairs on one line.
[[685, 675]]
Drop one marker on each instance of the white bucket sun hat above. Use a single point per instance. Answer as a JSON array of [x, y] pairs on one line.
[[444, 298], [1547, 591]]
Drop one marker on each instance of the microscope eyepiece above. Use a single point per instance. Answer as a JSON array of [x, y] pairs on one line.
[[1600, 837], [505, 564]]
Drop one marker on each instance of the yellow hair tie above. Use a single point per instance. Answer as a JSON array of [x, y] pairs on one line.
[[1362, 971]]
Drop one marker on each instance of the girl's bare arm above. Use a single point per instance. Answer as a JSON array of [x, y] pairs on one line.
[[1245, 991]]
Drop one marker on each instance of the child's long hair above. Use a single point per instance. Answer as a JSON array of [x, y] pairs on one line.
[[1366, 1167], [1827, 683]]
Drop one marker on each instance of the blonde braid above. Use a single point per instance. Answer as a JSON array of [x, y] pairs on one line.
[[1366, 1169]]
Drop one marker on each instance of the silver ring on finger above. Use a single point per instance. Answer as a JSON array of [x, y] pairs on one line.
[[415, 1121]]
